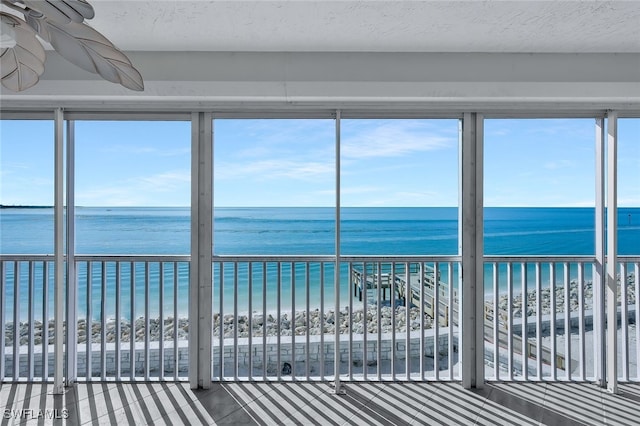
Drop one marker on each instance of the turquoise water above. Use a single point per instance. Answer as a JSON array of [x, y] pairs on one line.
[[289, 231]]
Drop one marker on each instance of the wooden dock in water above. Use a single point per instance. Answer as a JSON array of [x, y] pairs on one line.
[[422, 289]]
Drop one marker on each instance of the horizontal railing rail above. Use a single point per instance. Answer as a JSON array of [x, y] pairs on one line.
[[551, 333], [273, 317], [132, 321]]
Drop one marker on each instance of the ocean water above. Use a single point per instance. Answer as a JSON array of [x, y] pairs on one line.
[[292, 231]]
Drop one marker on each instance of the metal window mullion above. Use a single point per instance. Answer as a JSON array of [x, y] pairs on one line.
[[336, 281], [58, 385], [470, 248], [72, 283], [599, 275], [612, 252]]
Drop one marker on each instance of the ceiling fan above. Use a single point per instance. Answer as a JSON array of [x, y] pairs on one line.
[[62, 24]]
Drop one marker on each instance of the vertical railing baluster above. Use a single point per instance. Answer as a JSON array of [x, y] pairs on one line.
[[103, 321], [235, 321], [132, 322], [552, 320], [510, 320], [176, 322], [421, 271], [45, 327], [365, 321], [581, 347], [567, 323], [89, 324], [407, 321], [322, 321], [538, 321], [264, 321], [293, 320], [161, 322], [16, 320], [525, 330], [31, 312], [637, 319], [308, 323], [147, 331], [496, 323], [624, 324], [278, 325], [350, 321], [250, 318], [221, 334], [379, 319], [450, 317], [118, 321], [45, 322], [393, 320], [436, 329]]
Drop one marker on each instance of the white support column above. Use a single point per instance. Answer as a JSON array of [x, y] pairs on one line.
[[200, 282], [338, 389], [470, 247], [599, 275], [72, 312], [58, 252], [612, 249]]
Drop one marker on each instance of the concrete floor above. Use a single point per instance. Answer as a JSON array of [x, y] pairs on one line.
[[531, 403]]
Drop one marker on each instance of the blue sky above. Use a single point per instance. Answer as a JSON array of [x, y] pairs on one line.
[[291, 163]]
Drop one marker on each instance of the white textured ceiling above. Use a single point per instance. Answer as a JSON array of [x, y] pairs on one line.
[[374, 26]]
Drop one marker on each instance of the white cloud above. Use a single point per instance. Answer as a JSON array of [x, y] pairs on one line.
[[559, 164], [393, 139]]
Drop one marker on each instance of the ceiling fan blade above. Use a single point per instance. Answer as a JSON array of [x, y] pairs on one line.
[[87, 48], [22, 65], [62, 11]]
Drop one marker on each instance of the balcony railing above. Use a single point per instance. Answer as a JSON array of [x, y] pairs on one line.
[[274, 318]]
